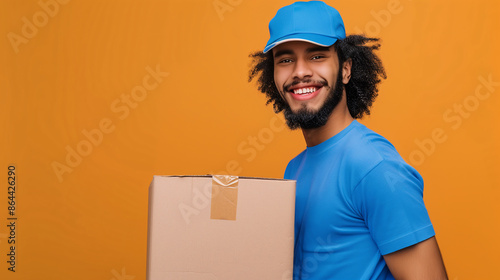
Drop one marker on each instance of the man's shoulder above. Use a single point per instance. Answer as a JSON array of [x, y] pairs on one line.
[[366, 147], [364, 151], [372, 153]]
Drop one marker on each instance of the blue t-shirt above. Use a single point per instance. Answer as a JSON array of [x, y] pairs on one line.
[[356, 200]]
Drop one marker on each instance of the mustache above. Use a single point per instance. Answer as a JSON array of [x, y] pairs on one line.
[[306, 81]]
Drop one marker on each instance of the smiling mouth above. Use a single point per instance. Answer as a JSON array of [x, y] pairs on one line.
[[304, 91]]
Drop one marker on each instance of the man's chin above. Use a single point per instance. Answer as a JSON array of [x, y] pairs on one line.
[[304, 119], [303, 111]]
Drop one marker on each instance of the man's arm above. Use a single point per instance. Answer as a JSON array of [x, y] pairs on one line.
[[420, 261]]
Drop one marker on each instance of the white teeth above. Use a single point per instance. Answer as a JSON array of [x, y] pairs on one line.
[[304, 90]]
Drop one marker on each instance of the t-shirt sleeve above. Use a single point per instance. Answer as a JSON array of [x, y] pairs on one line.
[[390, 200]]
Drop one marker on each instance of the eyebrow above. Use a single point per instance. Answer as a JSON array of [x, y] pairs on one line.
[[318, 49], [283, 52], [308, 50]]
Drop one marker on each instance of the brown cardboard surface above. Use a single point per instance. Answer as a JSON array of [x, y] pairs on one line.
[[185, 243]]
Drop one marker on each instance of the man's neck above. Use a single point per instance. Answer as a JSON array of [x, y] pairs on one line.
[[338, 121]]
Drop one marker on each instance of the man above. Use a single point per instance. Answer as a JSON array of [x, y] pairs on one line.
[[359, 207]]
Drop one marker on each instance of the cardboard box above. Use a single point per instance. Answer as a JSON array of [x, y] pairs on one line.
[[220, 227]]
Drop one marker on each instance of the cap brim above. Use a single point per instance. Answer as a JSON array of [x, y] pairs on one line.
[[320, 40]]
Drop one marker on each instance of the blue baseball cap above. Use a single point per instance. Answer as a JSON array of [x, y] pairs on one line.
[[312, 21]]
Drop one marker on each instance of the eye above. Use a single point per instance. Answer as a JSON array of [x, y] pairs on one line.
[[284, 60], [318, 56]]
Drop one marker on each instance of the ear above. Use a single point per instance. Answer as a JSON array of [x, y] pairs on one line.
[[346, 71]]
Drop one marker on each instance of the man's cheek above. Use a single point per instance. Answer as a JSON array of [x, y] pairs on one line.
[[283, 96], [280, 91]]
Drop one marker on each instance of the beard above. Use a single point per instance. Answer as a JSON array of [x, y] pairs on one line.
[[307, 119]]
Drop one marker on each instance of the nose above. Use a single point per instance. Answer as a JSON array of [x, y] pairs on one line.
[[302, 69]]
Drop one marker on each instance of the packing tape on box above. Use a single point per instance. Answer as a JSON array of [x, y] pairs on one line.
[[224, 197]]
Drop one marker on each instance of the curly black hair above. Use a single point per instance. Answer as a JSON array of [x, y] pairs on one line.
[[366, 73]]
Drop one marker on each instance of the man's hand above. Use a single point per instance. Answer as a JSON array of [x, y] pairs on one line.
[[420, 261]]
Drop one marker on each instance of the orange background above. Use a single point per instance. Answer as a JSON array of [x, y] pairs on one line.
[[204, 117]]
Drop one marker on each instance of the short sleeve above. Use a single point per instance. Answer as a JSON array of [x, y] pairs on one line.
[[390, 200]]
